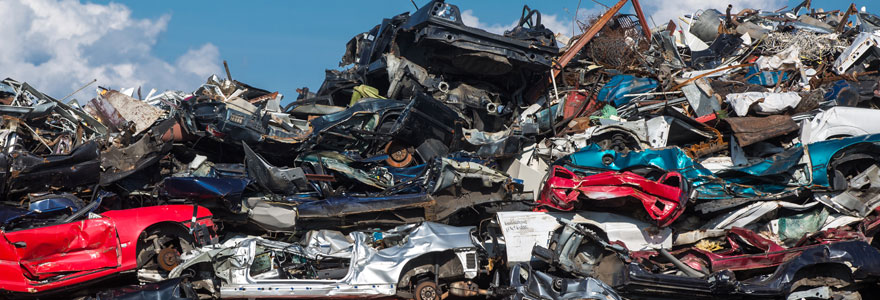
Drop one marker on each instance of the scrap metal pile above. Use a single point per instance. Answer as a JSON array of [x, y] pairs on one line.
[[735, 157]]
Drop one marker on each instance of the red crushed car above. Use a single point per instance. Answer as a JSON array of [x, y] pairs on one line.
[[746, 250], [40, 254], [663, 199]]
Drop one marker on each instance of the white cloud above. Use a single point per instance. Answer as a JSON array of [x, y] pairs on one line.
[[58, 45], [469, 19], [663, 11], [556, 23]]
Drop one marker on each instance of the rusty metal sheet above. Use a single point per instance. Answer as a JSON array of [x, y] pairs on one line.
[[140, 113], [106, 113], [750, 130]]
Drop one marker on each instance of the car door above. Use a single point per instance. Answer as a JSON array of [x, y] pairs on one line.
[[78, 246]]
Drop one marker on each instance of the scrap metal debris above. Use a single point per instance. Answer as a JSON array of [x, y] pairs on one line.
[[732, 153]]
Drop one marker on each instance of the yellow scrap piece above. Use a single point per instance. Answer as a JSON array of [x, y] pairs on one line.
[[364, 91], [708, 245]]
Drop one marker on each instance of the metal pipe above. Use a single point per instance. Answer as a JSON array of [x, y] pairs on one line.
[[686, 82], [680, 265], [79, 89], [642, 21], [226, 66]]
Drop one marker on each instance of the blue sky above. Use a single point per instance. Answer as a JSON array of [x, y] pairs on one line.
[[275, 45], [286, 45]]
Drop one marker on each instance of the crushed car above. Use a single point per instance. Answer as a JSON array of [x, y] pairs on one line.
[[420, 261], [50, 251]]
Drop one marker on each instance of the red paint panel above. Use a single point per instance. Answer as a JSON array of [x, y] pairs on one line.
[[573, 104], [736, 258], [664, 199], [67, 248], [84, 250]]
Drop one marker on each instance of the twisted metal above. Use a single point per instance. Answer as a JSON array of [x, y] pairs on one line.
[[812, 46]]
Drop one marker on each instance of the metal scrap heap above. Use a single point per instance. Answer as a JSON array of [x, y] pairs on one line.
[[735, 157]]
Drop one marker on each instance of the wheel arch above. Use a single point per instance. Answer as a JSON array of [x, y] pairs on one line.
[[175, 228], [421, 267], [862, 151], [827, 272]]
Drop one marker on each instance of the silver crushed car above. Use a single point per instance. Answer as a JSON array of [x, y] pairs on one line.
[[420, 261]]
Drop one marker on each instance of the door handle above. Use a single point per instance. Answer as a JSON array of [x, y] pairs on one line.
[[19, 244]]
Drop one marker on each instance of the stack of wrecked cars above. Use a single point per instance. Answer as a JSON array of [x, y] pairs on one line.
[[730, 153]]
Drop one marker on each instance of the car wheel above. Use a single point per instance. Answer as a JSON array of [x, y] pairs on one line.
[[159, 252], [427, 290]]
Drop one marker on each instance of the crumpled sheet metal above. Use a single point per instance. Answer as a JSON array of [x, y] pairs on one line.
[[523, 230], [170, 289], [751, 213], [547, 286], [641, 281], [764, 103], [328, 243], [701, 98], [425, 238], [140, 113], [788, 57], [776, 164], [861, 197], [656, 132], [342, 206], [271, 216], [378, 177], [669, 159], [55, 202], [372, 272], [81, 248], [460, 112], [557, 147], [120, 162], [730, 183], [822, 152], [227, 190], [664, 199], [272, 178], [840, 121], [788, 222], [705, 25], [614, 92], [453, 172], [500, 144], [750, 130], [865, 43], [29, 172]]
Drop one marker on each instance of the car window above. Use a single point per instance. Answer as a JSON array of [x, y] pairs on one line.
[[262, 263]]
